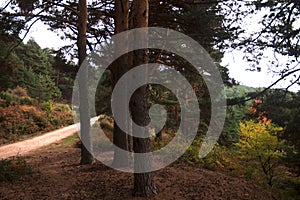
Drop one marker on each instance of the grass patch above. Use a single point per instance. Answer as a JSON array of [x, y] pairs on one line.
[[72, 141], [69, 142]]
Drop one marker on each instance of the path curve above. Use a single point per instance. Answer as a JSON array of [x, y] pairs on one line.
[[24, 147]]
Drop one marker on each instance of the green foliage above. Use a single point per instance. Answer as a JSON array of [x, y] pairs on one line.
[[61, 107], [37, 72], [258, 141], [44, 75], [64, 75], [72, 141], [236, 112], [12, 169], [9, 64], [103, 95], [45, 88], [47, 106], [60, 116]]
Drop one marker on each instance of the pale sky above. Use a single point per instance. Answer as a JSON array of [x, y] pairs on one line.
[[238, 70], [233, 60]]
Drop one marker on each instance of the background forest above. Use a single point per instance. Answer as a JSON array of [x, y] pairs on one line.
[[260, 140], [35, 87]]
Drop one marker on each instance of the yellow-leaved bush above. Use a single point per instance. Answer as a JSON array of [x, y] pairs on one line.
[[260, 146]]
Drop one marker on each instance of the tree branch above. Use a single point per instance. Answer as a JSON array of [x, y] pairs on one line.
[[266, 89], [21, 40], [6, 6], [67, 7]]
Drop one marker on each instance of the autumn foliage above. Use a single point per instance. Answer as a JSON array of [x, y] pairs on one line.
[[21, 115]]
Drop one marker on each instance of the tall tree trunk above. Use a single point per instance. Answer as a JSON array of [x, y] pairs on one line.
[[143, 182], [120, 66], [86, 156]]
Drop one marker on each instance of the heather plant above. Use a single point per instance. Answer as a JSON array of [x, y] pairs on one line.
[[21, 115]]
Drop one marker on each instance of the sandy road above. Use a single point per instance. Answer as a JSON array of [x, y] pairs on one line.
[[29, 145]]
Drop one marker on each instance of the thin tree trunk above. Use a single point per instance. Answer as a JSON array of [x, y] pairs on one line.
[[120, 66], [143, 182], [86, 148]]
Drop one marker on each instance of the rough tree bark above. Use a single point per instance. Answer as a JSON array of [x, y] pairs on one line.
[[86, 156], [120, 66], [143, 182]]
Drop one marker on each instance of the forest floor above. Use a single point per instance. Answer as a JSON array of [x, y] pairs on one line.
[[56, 174]]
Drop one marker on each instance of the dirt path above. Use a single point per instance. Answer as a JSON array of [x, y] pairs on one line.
[[26, 146]]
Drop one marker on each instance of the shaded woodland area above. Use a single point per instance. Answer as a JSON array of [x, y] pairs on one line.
[[260, 141]]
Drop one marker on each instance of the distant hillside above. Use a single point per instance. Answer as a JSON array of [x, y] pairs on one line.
[[240, 91]]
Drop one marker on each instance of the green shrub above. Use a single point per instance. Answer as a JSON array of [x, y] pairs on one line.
[[8, 98], [2, 103], [26, 101], [47, 106]]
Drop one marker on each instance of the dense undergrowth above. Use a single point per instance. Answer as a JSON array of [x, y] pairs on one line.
[[21, 115]]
